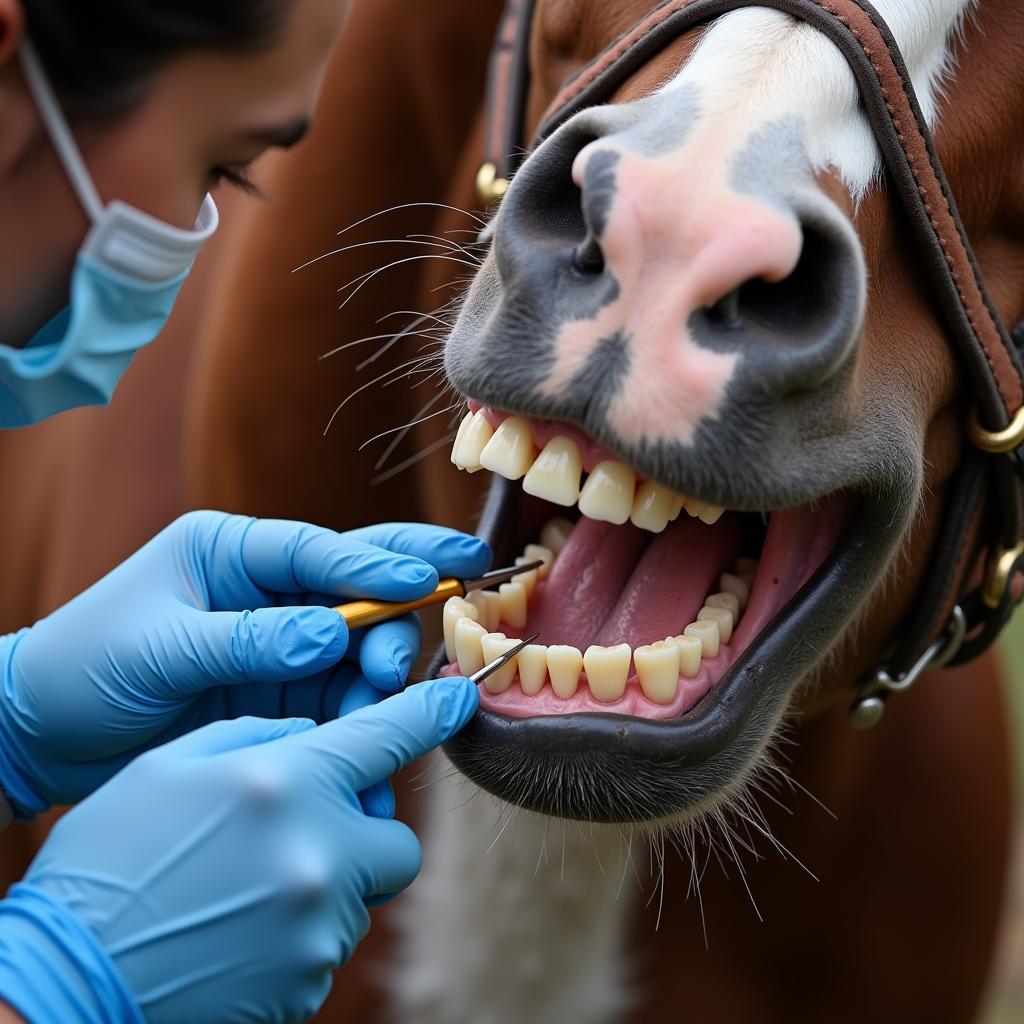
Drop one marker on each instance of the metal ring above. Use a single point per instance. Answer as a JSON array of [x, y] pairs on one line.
[[869, 704], [490, 187], [996, 442], [956, 632]]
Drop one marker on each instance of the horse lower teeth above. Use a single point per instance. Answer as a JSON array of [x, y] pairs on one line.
[[472, 638]]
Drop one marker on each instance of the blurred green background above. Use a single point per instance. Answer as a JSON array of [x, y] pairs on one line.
[[1006, 1005]]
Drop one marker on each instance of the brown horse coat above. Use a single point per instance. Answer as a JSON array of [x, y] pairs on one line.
[[911, 873]]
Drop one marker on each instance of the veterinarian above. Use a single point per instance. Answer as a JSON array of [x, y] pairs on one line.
[[226, 872]]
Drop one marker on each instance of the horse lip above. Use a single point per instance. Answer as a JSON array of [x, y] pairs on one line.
[[668, 768]]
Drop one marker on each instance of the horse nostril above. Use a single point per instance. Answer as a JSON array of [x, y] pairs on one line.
[[726, 311], [799, 330], [587, 257], [803, 301]]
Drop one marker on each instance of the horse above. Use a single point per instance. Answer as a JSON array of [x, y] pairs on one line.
[[704, 291]]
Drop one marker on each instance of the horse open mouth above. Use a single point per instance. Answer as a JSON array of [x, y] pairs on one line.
[[647, 597], [647, 604]]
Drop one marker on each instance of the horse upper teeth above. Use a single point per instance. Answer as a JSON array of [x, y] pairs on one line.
[[510, 451], [564, 665], [608, 493], [533, 669], [555, 535], [708, 635], [720, 615], [469, 636], [657, 667], [711, 514], [653, 506], [513, 604], [473, 436], [494, 645], [555, 476], [455, 608]]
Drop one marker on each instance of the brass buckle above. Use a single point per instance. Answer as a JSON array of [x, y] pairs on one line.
[[997, 578], [490, 187], [996, 442]]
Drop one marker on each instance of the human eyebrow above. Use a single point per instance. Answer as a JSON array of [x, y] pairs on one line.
[[281, 136]]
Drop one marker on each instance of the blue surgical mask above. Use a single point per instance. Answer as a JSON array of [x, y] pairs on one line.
[[127, 276]]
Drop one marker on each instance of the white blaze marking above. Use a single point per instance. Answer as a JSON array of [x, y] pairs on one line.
[[760, 65]]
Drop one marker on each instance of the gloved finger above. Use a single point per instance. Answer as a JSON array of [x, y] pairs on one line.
[[379, 901], [370, 744], [387, 653], [450, 552], [360, 694], [222, 737], [267, 645], [379, 800], [322, 698], [285, 557], [395, 859]]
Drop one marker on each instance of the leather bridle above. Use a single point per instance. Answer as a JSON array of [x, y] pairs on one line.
[[976, 575]]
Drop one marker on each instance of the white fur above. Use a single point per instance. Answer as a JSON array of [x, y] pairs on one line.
[[523, 928], [760, 65]]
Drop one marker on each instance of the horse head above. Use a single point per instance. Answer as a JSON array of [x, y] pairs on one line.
[[707, 363]]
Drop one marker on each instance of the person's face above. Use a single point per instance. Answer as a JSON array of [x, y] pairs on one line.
[[203, 119]]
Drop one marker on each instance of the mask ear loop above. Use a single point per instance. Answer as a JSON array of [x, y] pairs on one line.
[[60, 132]]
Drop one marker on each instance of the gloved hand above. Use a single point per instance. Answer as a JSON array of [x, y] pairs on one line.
[[223, 877], [207, 622]]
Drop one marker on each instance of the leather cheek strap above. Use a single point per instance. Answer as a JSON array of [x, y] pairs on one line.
[[985, 507]]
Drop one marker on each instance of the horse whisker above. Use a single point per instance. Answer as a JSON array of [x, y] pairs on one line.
[[412, 206], [412, 460]]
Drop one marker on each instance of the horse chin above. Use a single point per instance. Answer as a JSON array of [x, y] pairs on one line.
[[624, 757]]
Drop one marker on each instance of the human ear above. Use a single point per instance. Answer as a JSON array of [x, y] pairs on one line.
[[12, 27]]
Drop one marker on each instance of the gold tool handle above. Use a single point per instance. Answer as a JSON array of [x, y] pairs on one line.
[[368, 613]]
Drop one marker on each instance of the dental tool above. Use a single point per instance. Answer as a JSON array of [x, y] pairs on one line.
[[368, 613], [498, 663]]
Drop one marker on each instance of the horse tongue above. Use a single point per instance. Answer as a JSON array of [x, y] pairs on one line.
[[671, 582], [617, 584], [585, 582]]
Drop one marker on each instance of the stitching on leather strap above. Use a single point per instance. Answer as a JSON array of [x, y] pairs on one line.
[[1006, 376]]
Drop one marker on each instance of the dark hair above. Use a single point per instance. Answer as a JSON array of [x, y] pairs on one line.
[[100, 54]]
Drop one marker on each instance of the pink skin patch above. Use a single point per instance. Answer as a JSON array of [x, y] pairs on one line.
[[678, 238], [616, 585]]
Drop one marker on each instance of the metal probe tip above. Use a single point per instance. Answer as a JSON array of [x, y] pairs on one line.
[[479, 677], [496, 576]]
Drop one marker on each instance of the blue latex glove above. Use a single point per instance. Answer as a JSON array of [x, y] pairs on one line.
[[223, 877], [208, 622]]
